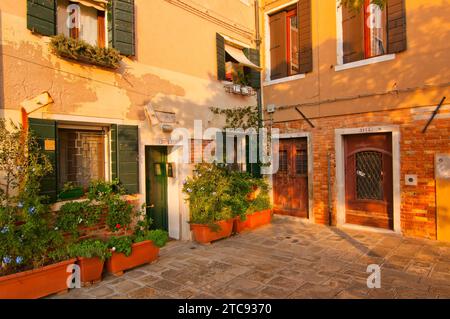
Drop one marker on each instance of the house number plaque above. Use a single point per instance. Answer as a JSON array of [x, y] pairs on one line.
[[49, 145]]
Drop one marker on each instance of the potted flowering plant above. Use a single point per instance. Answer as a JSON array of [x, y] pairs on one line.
[[33, 258], [207, 193], [91, 255], [141, 248]]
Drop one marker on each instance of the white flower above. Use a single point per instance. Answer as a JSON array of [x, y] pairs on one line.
[[113, 249], [56, 228]]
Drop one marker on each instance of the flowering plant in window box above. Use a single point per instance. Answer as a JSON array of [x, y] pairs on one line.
[[82, 51]]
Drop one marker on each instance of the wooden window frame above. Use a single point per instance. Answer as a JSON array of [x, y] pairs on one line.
[[367, 31], [101, 28], [289, 15]]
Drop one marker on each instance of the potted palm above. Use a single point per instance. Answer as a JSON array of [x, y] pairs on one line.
[[207, 194]]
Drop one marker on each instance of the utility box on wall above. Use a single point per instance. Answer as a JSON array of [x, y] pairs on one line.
[[442, 166]]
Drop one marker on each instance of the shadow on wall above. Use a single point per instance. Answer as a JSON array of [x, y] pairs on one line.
[[424, 62]]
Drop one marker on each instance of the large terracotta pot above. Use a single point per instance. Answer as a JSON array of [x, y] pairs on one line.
[[203, 234], [142, 253], [36, 283], [254, 220], [91, 270]]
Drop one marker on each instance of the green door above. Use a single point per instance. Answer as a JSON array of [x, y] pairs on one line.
[[156, 186]]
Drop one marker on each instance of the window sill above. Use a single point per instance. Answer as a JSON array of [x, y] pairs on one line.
[[286, 79], [357, 64]]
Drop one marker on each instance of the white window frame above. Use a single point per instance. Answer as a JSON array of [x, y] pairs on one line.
[[341, 66], [267, 80]]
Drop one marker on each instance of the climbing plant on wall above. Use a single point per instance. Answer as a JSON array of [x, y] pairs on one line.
[[241, 117]]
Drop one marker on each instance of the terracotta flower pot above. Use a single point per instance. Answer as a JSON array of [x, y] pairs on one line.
[[142, 253], [203, 234], [254, 220], [91, 270], [36, 283]]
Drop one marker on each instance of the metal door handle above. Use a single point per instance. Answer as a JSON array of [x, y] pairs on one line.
[[151, 206]]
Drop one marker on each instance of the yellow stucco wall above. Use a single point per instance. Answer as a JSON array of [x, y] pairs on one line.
[[420, 76], [174, 68]]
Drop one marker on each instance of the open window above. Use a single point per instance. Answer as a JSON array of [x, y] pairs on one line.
[[373, 31], [290, 40], [83, 20], [237, 65]]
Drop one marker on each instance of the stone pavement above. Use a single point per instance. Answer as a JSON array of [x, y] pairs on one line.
[[288, 259]]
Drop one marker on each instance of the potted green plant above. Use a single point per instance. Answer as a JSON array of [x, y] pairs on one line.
[[207, 194], [259, 208], [142, 247], [70, 191], [91, 255], [33, 258]]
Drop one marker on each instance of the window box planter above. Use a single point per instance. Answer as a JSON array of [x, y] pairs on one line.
[[81, 51], [254, 220], [74, 193], [36, 283], [203, 234], [240, 89], [142, 253], [91, 270]]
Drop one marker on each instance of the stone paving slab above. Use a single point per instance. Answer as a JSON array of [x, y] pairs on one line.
[[289, 259]]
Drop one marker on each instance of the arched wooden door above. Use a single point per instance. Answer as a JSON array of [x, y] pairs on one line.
[[290, 183], [368, 180]]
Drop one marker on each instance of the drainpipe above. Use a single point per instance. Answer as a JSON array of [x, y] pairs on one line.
[[259, 96]]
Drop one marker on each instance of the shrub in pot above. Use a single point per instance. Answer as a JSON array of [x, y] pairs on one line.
[[140, 248], [33, 258], [132, 251], [208, 194], [91, 255], [259, 209]]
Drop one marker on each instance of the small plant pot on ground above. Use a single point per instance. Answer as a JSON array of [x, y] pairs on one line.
[[91, 270], [142, 253], [36, 283], [204, 234], [254, 220]]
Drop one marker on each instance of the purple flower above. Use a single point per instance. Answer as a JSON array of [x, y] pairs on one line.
[[189, 190], [19, 260], [5, 230], [32, 210], [6, 260], [184, 182]]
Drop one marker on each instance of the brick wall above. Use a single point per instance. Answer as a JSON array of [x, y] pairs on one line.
[[417, 151]]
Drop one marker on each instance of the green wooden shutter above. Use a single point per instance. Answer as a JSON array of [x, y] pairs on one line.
[[45, 130], [126, 167], [41, 16], [255, 75], [305, 36], [253, 168], [113, 132], [220, 43], [121, 33]]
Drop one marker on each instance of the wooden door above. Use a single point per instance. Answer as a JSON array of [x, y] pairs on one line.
[[368, 180], [290, 183], [156, 186]]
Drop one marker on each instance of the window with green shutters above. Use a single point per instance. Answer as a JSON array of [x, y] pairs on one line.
[[42, 19], [63, 147]]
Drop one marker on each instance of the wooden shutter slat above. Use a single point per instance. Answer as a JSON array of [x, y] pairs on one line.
[[101, 29], [220, 48], [353, 34], [41, 16], [278, 46], [113, 136], [121, 26], [128, 157], [396, 26], [305, 36], [46, 130]]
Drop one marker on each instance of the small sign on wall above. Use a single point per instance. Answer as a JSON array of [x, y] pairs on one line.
[[49, 145]]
